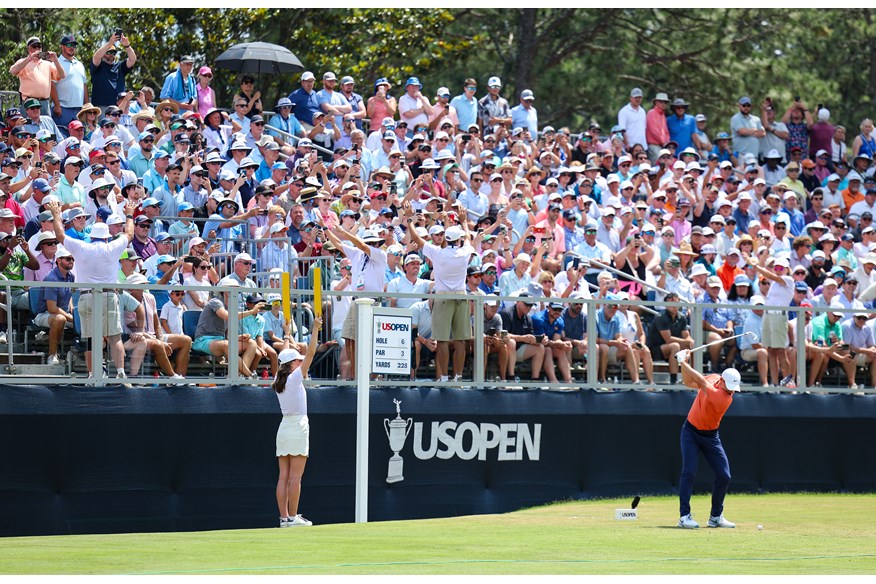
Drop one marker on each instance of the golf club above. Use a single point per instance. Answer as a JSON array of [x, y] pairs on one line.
[[748, 334]]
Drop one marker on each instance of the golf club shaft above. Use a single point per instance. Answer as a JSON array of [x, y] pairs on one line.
[[701, 347]]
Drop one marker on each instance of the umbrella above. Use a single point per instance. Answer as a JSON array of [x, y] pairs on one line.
[[259, 58]]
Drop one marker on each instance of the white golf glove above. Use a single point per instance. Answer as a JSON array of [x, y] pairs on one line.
[[681, 356]]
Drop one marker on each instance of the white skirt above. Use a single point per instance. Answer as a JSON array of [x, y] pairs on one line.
[[293, 436]]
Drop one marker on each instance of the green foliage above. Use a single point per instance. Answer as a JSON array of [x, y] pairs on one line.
[[581, 63]]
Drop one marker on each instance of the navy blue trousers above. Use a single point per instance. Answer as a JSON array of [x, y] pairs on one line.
[[692, 443]]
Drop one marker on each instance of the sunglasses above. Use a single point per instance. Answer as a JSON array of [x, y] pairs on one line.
[[50, 243], [490, 273], [207, 267]]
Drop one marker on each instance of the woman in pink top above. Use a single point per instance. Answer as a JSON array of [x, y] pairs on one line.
[[381, 105], [206, 95]]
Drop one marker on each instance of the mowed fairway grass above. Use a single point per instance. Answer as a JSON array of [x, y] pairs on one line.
[[803, 534]]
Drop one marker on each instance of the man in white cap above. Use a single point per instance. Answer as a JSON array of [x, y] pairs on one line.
[[239, 276], [632, 118], [451, 318], [97, 262], [492, 108], [700, 434]]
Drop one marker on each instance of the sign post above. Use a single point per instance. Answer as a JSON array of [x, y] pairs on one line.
[[383, 345]]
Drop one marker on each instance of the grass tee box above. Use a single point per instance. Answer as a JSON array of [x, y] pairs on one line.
[[802, 534]]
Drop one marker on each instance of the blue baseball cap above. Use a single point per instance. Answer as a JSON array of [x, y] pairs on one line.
[[801, 286], [185, 206], [413, 81], [279, 166], [143, 135], [165, 259], [41, 185], [150, 202], [161, 154], [347, 213], [163, 236], [103, 212]]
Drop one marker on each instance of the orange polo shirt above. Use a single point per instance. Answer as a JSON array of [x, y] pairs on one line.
[[728, 273], [710, 405], [35, 79], [850, 199]]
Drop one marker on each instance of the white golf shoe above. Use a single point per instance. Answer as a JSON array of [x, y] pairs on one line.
[[688, 522], [297, 521], [719, 521]]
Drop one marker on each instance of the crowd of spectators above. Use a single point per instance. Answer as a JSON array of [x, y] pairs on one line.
[[434, 194]]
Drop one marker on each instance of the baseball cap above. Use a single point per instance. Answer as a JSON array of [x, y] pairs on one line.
[[731, 376]]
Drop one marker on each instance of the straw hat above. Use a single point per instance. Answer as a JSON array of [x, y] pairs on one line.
[[685, 249], [88, 107], [167, 103]]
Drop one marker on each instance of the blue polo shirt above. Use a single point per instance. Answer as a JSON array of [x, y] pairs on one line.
[[304, 104], [61, 296], [682, 130], [607, 329], [541, 325], [466, 111]]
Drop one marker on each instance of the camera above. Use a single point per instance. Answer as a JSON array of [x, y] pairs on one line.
[[713, 157]]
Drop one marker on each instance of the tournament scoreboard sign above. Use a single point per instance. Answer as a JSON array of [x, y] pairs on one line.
[[391, 346]]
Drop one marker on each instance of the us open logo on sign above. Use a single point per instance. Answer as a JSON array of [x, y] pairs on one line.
[[466, 441], [392, 345]]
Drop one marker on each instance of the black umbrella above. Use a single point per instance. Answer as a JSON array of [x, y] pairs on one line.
[[259, 58]]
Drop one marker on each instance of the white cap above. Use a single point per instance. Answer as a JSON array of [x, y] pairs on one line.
[[698, 270], [731, 378], [453, 233], [494, 81], [287, 355]]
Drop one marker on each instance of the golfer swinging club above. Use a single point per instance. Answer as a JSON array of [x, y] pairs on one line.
[[700, 434]]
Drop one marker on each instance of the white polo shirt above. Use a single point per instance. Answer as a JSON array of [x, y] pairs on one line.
[[97, 261], [368, 271], [449, 265]]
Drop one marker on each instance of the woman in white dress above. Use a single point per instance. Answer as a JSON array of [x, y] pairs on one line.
[[293, 435]]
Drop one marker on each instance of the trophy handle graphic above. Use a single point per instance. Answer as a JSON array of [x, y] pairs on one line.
[[386, 426], [409, 423]]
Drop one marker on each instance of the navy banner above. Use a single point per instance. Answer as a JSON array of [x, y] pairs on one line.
[[85, 460]]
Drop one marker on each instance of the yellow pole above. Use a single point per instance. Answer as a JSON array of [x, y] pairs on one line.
[[285, 294], [317, 291]]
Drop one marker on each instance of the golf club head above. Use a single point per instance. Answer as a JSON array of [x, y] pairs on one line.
[[752, 336]]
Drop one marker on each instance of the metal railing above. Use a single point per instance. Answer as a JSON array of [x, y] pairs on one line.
[[304, 294]]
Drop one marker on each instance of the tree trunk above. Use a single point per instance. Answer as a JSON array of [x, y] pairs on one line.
[[526, 47]]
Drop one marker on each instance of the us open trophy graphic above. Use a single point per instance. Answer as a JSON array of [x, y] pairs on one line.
[[397, 431]]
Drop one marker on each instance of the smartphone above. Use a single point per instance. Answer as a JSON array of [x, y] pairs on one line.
[[38, 164], [56, 174], [118, 33], [241, 171], [44, 55], [440, 207], [139, 182], [263, 212], [466, 137], [576, 262]]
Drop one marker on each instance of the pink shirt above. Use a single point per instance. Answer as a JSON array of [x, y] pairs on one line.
[[656, 130], [380, 111], [206, 100]]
